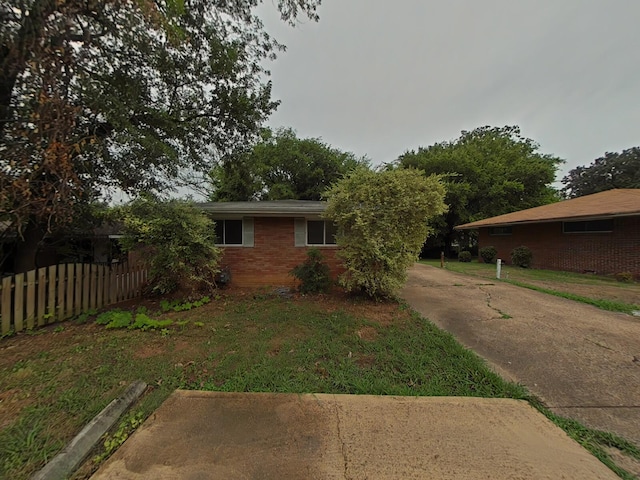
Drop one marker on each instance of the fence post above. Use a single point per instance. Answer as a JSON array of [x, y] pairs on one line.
[[7, 284], [51, 304], [113, 293], [100, 287], [31, 299], [93, 286], [42, 294], [70, 273], [86, 282], [18, 303], [77, 295], [498, 268]]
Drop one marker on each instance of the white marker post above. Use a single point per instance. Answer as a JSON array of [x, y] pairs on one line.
[[498, 268]]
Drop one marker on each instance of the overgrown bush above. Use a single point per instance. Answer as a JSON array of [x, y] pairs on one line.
[[381, 219], [176, 239], [521, 256], [464, 256], [313, 273], [624, 277], [488, 254]]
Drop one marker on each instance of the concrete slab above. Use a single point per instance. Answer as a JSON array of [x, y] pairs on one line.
[[213, 435], [581, 361]]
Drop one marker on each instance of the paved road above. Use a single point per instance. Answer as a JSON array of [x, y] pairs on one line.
[[582, 361]]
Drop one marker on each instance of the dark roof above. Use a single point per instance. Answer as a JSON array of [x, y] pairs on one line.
[[272, 208], [607, 204]]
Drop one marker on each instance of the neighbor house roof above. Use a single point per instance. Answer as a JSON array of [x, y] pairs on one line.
[[271, 208], [608, 204]]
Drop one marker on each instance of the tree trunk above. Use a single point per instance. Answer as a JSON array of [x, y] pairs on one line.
[[27, 248], [15, 54]]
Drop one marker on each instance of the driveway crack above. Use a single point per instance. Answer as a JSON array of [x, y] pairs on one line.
[[502, 314], [342, 442]]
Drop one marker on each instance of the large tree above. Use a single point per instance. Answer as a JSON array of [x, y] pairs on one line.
[[487, 171], [613, 170], [96, 95], [281, 166]]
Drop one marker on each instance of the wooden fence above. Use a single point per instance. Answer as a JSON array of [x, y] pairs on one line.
[[52, 294]]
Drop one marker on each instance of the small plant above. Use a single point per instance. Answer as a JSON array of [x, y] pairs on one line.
[[113, 441], [84, 317], [464, 256], [488, 254], [144, 322], [521, 256], [115, 319], [10, 333], [177, 306], [624, 277], [313, 273]]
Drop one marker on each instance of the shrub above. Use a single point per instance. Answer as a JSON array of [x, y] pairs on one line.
[[521, 256], [381, 219], [624, 277], [177, 240], [313, 273], [464, 256], [488, 254]]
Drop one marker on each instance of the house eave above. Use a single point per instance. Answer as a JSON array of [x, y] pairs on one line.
[[579, 218], [264, 209]]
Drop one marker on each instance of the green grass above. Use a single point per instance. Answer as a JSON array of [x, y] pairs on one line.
[[603, 304], [267, 344], [594, 441], [54, 383], [554, 282]]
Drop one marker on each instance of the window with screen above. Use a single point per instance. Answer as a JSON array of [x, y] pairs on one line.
[[228, 232], [320, 232]]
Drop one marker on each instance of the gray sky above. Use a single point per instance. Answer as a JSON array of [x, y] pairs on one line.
[[379, 77]]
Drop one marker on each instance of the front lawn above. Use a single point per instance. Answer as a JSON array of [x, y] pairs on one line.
[[53, 381]]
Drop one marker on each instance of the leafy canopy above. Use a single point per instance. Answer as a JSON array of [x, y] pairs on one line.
[[175, 238], [488, 171], [381, 219], [613, 170], [281, 166], [127, 94]]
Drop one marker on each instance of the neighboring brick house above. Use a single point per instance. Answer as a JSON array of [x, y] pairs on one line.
[[264, 240], [597, 233]]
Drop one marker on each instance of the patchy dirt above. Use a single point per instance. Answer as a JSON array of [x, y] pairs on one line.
[[368, 334], [11, 404], [26, 345]]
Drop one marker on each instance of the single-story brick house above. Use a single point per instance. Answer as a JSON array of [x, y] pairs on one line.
[[597, 233], [264, 240]]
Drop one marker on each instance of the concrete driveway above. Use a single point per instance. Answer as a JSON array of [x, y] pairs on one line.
[[213, 435], [582, 361]]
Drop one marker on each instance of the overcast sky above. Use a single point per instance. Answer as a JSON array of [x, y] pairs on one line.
[[380, 77]]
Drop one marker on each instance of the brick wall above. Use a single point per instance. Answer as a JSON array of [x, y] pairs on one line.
[[602, 253], [273, 255]]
